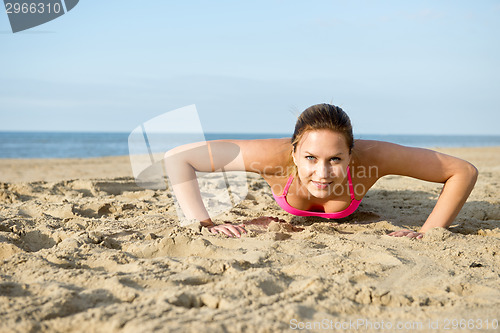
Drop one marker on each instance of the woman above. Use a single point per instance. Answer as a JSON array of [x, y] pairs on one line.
[[320, 171]]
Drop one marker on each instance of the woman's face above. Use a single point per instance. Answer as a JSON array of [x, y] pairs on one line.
[[322, 157]]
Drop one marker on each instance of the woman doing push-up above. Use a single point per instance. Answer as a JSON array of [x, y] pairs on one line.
[[320, 171]]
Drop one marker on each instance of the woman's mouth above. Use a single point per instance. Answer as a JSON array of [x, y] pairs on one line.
[[321, 185]]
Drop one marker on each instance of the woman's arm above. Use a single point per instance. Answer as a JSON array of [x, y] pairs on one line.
[[183, 162], [179, 165], [457, 175]]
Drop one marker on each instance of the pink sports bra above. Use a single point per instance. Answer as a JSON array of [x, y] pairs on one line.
[[281, 200]]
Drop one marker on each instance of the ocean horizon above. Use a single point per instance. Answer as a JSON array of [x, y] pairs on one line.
[[18, 144]]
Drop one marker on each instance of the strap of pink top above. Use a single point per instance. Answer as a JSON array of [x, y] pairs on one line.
[[285, 190], [351, 187]]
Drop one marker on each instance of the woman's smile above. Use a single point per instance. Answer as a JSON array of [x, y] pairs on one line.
[[321, 185]]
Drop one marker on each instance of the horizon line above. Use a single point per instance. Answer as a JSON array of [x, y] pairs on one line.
[[3, 131]]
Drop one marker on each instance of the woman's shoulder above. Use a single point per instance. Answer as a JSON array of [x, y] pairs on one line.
[[371, 151], [263, 156], [273, 142], [372, 155], [388, 157], [366, 164], [365, 151]]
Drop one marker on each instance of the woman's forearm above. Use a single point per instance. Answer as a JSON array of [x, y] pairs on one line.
[[185, 185], [182, 176], [455, 192]]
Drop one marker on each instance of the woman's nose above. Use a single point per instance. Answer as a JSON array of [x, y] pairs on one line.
[[323, 170]]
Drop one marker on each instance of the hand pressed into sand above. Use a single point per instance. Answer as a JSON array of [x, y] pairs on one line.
[[231, 230], [407, 233]]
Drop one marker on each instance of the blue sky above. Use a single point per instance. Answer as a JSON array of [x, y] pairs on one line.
[[398, 67]]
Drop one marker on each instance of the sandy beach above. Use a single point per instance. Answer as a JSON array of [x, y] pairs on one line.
[[84, 249]]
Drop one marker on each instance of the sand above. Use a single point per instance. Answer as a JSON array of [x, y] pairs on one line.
[[83, 249]]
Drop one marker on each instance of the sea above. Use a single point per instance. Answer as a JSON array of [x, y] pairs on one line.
[[85, 145]]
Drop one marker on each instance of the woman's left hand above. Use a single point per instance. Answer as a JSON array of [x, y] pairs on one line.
[[407, 233]]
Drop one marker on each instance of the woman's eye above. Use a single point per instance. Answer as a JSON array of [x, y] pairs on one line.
[[310, 158], [336, 159]]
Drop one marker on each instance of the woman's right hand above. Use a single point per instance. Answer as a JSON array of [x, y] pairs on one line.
[[230, 230], [408, 233]]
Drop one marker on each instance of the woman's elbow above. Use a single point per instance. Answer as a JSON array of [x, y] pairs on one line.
[[172, 159], [472, 173], [171, 153], [168, 157]]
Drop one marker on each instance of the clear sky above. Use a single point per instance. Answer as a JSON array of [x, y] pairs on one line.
[[397, 67]]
